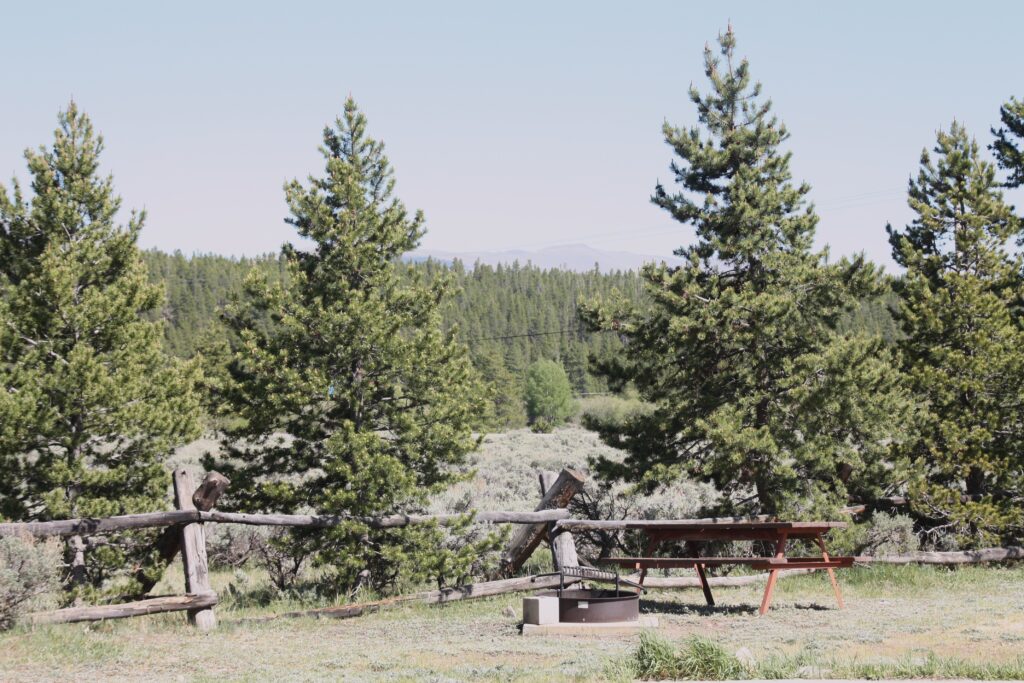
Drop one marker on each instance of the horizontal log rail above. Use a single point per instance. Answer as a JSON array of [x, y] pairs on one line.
[[444, 595], [167, 603], [948, 558], [87, 526]]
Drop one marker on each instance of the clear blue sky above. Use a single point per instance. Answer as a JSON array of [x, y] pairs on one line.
[[515, 126]]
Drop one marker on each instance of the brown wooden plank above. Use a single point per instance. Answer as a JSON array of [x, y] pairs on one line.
[[704, 586], [838, 561], [724, 534], [679, 562], [811, 563], [710, 524], [831, 573], [773, 576]]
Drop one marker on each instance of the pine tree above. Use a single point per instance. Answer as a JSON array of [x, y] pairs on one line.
[[91, 406], [1009, 143], [506, 393], [963, 349], [754, 389], [350, 399]]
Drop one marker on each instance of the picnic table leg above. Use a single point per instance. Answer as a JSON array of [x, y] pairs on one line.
[[693, 550], [831, 572], [780, 553], [652, 542], [705, 585]]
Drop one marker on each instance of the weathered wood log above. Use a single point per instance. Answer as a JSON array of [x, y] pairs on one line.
[[388, 522], [193, 553], [948, 558], [563, 544], [527, 538], [89, 526], [169, 541], [469, 592], [170, 603]]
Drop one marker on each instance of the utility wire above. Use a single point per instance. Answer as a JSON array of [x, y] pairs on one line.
[[539, 334]]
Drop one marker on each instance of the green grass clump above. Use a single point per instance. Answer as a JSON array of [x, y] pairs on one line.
[[934, 667], [699, 659]]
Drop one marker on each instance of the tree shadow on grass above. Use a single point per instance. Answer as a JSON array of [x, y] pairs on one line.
[[662, 607], [814, 607]]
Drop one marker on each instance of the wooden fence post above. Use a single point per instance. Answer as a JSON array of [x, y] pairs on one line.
[[168, 543], [563, 543], [193, 552], [528, 537]]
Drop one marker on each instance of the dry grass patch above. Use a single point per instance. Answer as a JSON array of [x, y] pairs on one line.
[[899, 619]]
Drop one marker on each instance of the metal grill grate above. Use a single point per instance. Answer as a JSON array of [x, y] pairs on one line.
[[592, 574]]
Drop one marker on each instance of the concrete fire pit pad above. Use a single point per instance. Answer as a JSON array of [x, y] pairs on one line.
[[611, 628]]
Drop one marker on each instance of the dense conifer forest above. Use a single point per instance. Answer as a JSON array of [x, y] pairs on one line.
[[508, 315]]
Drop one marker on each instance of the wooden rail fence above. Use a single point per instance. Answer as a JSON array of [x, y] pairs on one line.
[[184, 533]]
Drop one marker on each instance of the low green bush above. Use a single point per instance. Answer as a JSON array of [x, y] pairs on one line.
[[613, 410], [699, 659], [28, 569]]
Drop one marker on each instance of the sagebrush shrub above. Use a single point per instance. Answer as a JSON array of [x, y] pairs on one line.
[[28, 569], [882, 534]]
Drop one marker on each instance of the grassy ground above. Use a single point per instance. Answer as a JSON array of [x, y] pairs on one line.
[[898, 621]]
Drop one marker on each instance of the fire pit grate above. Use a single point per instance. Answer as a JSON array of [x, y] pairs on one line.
[[590, 605]]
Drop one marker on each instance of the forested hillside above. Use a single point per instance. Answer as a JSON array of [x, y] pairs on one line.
[[509, 315]]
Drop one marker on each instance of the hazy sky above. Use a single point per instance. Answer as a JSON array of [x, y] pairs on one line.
[[522, 125]]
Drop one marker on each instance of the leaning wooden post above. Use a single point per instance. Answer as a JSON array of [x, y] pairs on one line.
[[528, 537], [193, 553], [563, 544]]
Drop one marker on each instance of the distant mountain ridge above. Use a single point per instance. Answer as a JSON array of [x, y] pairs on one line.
[[574, 257]]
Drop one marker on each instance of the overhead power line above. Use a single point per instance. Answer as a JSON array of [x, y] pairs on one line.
[[538, 334]]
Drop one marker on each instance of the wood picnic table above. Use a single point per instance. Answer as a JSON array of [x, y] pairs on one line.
[[695, 534]]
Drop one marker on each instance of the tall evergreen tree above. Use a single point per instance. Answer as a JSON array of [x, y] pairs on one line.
[[754, 389], [963, 349], [506, 393], [351, 400], [1009, 143], [91, 405]]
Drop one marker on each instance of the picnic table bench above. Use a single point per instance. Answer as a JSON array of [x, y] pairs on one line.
[[696, 534]]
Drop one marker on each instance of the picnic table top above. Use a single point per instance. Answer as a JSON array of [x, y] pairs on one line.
[[724, 524]]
